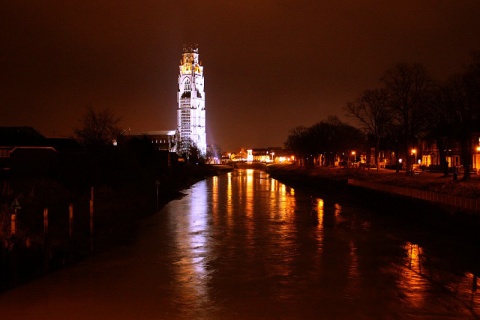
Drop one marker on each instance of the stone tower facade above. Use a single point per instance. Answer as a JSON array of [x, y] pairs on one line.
[[191, 100]]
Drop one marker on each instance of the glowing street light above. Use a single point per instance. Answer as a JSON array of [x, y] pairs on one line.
[[414, 152]]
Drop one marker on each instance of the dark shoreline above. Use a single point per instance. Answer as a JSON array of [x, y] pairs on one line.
[[26, 257]]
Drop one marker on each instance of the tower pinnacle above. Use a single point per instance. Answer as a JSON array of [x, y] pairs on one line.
[[191, 100]]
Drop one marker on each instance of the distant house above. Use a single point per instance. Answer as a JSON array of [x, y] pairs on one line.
[[262, 154], [269, 154], [165, 142], [25, 150], [427, 154]]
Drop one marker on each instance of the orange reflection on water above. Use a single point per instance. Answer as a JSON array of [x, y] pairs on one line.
[[273, 196], [412, 284], [284, 251], [249, 193], [215, 204], [249, 205], [320, 212], [338, 210], [468, 288], [413, 253], [319, 204], [281, 201], [273, 185], [288, 204], [229, 201]]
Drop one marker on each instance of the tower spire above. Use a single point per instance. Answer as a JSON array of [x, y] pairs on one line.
[[191, 100]]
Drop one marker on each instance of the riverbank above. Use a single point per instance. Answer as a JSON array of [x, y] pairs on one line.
[[429, 181], [32, 251], [117, 211], [444, 192], [453, 223]]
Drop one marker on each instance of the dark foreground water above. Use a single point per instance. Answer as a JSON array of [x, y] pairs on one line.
[[244, 246]]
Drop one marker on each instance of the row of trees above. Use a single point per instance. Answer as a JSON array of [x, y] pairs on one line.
[[327, 138], [397, 113], [408, 106]]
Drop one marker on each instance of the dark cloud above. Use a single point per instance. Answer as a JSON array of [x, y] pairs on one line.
[[269, 65]]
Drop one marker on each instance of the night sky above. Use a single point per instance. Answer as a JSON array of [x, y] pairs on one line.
[[269, 65]]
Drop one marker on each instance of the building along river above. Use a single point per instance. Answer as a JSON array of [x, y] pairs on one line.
[[245, 246]]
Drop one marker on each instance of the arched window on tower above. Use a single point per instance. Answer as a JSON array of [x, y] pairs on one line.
[[187, 86]]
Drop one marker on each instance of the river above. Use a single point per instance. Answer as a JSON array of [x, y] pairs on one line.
[[245, 246]]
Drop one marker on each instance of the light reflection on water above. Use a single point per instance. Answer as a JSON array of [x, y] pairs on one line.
[[413, 286], [191, 241], [422, 275], [244, 246], [276, 247]]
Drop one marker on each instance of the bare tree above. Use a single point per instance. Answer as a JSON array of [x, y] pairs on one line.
[[409, 90], [464, 100], [442, 123], [328, 138], [372, 112], [98, 128], [470, 113], [296, 142]]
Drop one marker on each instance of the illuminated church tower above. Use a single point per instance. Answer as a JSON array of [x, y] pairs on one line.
[[191, 100]]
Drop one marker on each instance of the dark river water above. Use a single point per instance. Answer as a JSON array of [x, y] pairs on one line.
[[245, 246]]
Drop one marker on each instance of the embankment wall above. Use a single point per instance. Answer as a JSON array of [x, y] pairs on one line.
[[460, 203]]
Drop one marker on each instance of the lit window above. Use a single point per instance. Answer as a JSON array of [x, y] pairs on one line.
[[187, 86]]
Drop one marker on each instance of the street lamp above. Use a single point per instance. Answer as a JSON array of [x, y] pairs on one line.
[[414, 152], [354, 157]]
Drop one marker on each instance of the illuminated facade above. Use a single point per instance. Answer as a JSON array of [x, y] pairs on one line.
[[191, 100]]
